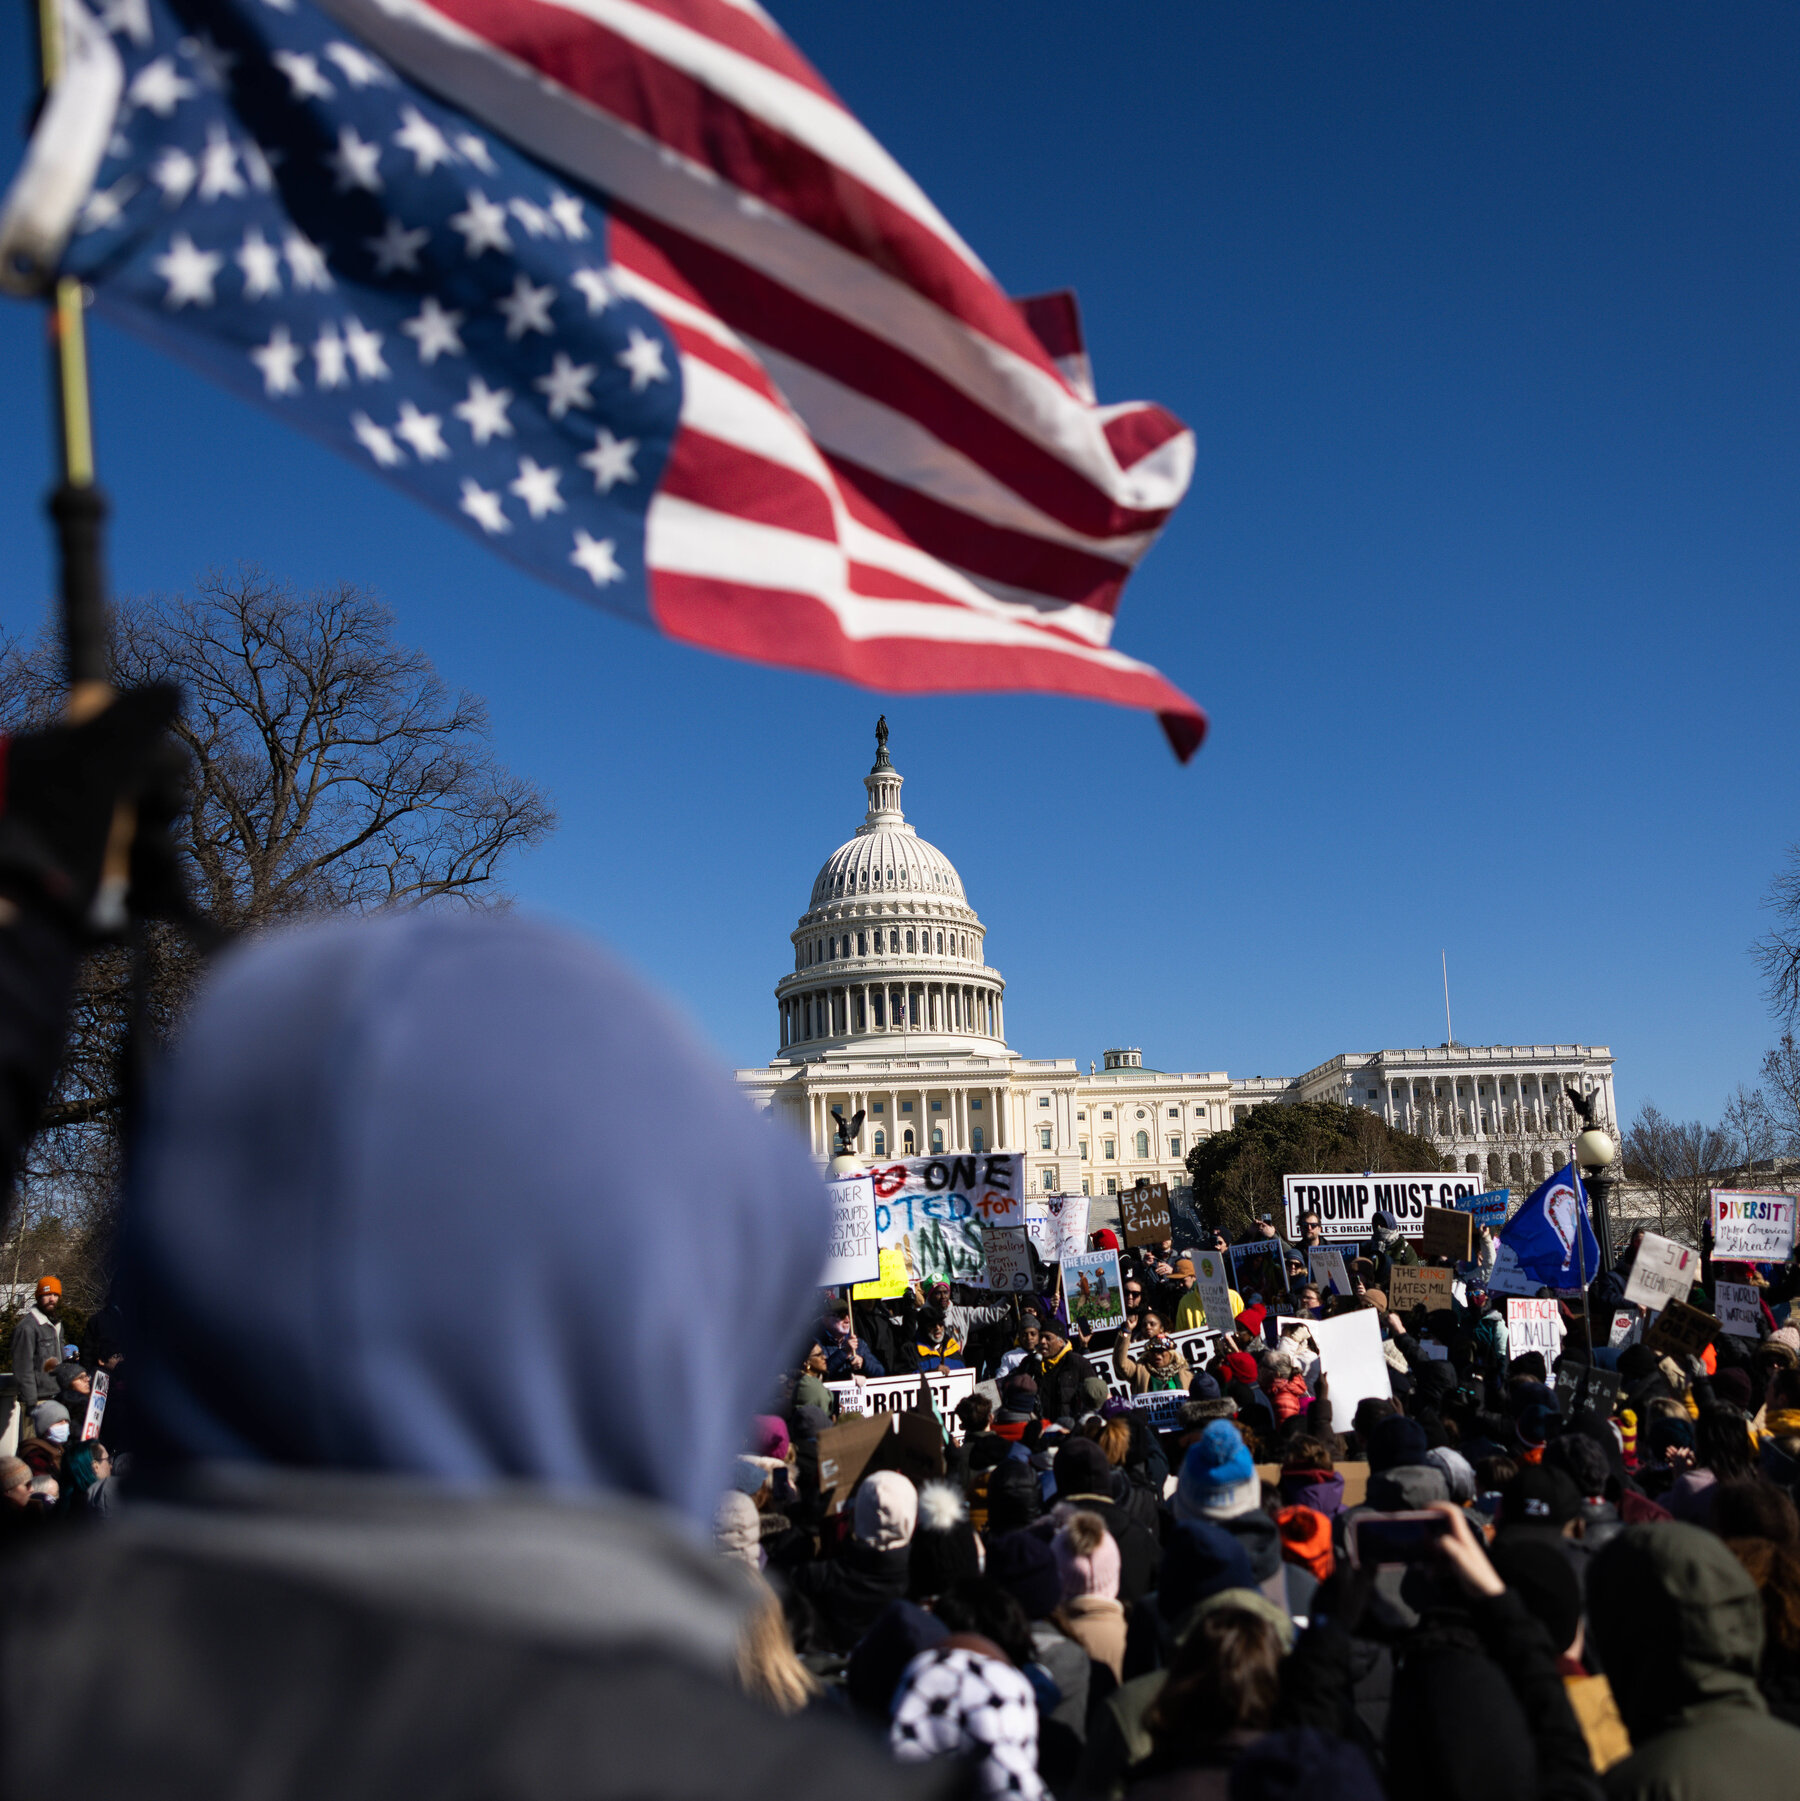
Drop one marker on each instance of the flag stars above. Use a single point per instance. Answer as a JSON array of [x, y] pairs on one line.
[[188, 271], [610, 461], [377, 440], [484, 507], [331, 365], [565, 209], [306, 80], [128, 18], [397, 248], [537, 222], [643, 358], [424, 432], [277, 362], [484, 412], [261, 264], [472, 149], [434, 330], [364, 349], [426, 143], [538, 489], [175, 172], [567, 385], [219, 177], [306, 263], [356, 162], [597, 559], [357, 67], [527, 308], [482, 225], [593, 286], [211, 64], [106, 206], [159, 87]]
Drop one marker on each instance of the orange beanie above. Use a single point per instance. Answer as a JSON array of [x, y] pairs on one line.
[[48, 1285]]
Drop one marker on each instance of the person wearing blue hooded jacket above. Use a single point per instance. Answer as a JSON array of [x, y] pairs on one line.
[[376, 1545]]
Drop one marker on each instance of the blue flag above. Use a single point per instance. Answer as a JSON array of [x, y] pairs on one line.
[[1542, 1233]]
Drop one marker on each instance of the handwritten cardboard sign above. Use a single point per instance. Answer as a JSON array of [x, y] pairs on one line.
[[934, 1208], [853, 1255], [1682, 1328], [1533, 1325], [1751, 1227], [1582, 1388], [1214, 1289], [891, 1283], [1144, 1213], [1662, 1271], [1448, 1232], [1058, 1225], [1409, 1288], [1008, 1253], [1487, 1209], [1738, 1307], [96, 1410], [1325, 1264]]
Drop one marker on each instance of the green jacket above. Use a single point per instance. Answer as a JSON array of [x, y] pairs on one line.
[[1678, 1625], [810, 1391]]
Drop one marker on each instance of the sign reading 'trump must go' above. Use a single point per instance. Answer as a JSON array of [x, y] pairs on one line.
[[1346, 1204]]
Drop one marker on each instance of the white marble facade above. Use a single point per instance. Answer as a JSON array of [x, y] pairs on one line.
[[891, 1007]]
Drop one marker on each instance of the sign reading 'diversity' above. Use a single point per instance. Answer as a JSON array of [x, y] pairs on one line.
[[1346, 1204], [934, 1208], [1752, 1228]]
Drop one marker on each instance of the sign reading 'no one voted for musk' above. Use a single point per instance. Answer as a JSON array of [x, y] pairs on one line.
[[1346, 1205], [935, 1208], [854, 1255], [1753, 1228]]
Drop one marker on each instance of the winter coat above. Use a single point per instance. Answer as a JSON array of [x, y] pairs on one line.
[[1142, 1378], [1067, 1661], [1321, 1490], [1059, 1383], [849, 1590], [1289, 1396], [36, 1340], [1678, 1626], [1097, 1624]]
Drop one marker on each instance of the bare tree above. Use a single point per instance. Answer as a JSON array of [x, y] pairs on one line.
[[332, 771], [1777, 953], [1781, 1096], [1676, 1165]]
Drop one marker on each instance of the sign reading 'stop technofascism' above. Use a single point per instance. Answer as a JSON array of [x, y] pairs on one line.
[[1346, 1204]]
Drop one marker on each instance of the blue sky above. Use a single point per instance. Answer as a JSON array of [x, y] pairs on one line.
[[1484, 319]]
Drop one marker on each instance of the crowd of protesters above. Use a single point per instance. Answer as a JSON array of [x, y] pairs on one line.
[[1605, 1597], [452, 1455]]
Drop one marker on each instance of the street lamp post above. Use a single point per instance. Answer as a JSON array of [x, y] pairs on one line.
[[1594, 1153]]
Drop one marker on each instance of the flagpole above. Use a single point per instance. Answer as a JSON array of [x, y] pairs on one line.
[[1581, 1232], [76, 505]]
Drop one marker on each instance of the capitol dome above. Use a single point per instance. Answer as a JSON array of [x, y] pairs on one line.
[[889, 947]]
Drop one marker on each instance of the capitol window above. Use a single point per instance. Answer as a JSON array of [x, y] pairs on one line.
[[1084, 1145], [906, 1106], [940, 944], [1108, 1151], [1107, 1114], [1047, 1180], [1174, 1112], [909, 941], [1081, 1113], [880, 1142], [975, 1104], [975, 1138], [1112, 1184], [878, 1106], [1174, 1147], [1143, 1144], [1043, 1138], [862, 944], [937, 1138], [908, 1142], [937, 1106]]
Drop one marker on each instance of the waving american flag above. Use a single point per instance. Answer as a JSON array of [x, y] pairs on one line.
[[622, 288]]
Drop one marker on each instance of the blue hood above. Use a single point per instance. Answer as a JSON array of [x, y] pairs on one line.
[[439, 1196]]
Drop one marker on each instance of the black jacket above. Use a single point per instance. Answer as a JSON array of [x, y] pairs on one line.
[[848, 1591], [364, 1638]]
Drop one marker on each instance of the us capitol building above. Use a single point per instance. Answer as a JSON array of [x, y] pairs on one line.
[[892, 1007]]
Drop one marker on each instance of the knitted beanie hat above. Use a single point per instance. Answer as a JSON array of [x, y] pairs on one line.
[[1088, 1557]]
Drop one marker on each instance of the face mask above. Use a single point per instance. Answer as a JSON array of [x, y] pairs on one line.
[[59, 1433]]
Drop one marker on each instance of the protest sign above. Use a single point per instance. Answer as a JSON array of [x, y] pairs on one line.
[[1447, 1233], [1750, 1227], [1508, 1277], [1350, 1355], [1738, 1308], [1092, 1290], [846, 1449], [1194, 1347], [1325, 1264], [1058, 1225], [1627, 1328], [1298, 1333], [1345, 1205], [1214, 1289], [1258, 1266], [900, 1394], [96, 1410], [1162, 1410], [854, 1255], [1487, 1209], [890, 1284], [1662, 1271], [1534, 1326], [1008, 1253], [1409, 1288], [1682, 1328], [1583, 1388], [1144, 1213], [935, 1207]]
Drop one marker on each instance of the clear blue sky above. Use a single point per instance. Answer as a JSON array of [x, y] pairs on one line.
[[1484, 317]]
